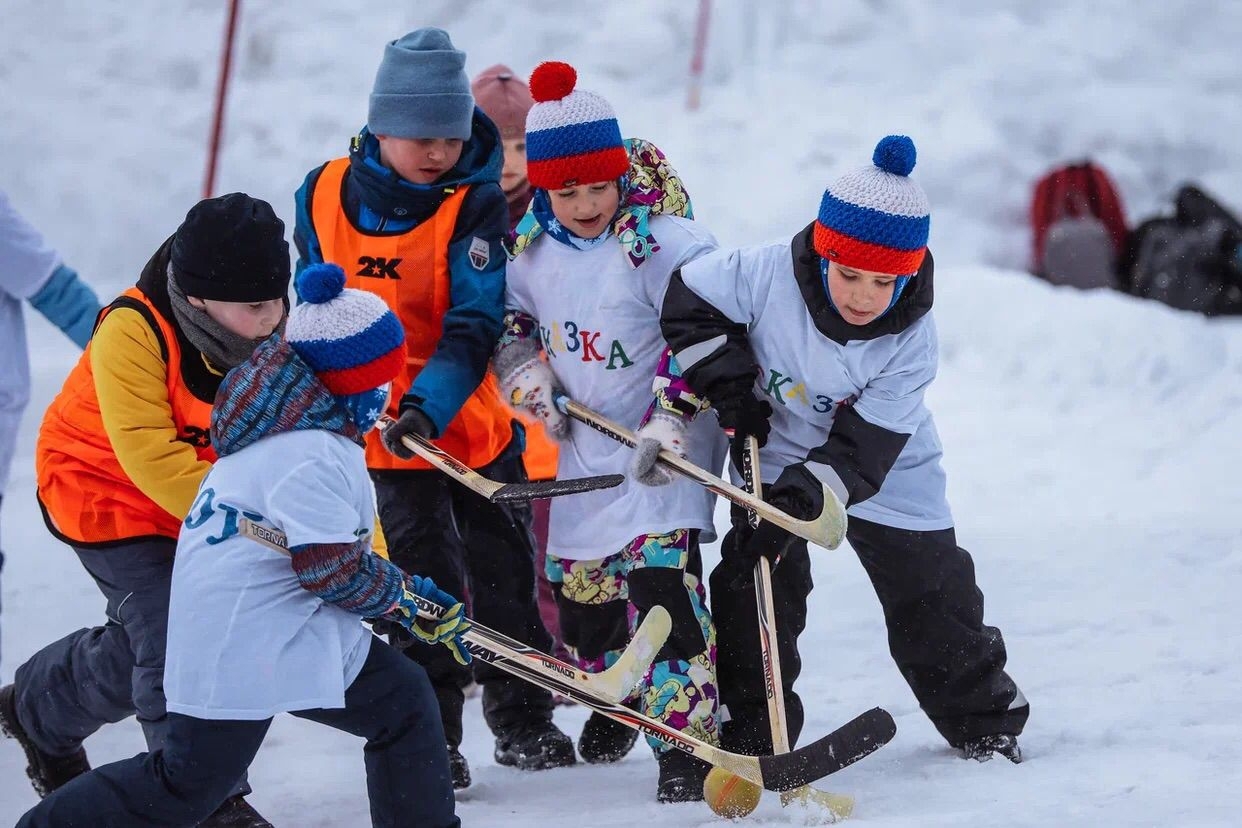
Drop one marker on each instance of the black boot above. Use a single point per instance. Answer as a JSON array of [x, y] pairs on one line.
[[536, 745], [605, 740], [459, 769], [681, 777], [236, 812], [983, 748], [46, 772]]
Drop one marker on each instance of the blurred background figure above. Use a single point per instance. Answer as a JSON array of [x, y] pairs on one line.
[[31, 271]]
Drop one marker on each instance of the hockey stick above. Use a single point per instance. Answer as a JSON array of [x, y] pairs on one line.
[[494, 490], [614, 684], [847, 744], [831, 806], [827, 529]]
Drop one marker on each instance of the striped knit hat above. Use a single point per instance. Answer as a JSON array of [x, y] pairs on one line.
[[349, 338], [572, 136], [876, 218]]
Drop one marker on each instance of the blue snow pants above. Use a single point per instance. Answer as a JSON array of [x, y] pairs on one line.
[[390, 705]]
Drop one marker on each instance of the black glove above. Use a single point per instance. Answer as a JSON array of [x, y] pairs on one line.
[[397, 635], [796, 493], [745, 415], [411, 421]]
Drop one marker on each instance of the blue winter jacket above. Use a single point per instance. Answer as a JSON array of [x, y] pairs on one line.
[[377, 199]]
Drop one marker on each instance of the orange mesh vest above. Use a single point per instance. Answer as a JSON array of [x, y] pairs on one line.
[[410, 272], [85, 494]]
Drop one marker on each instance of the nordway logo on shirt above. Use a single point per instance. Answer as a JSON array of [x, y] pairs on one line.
[[568, 338], [797, 392]]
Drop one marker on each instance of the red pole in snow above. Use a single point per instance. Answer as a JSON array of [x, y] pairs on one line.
[[697, 58], [222, 88]]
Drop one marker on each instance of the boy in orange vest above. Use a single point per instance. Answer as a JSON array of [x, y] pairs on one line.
[[121, 452], [415, 215]]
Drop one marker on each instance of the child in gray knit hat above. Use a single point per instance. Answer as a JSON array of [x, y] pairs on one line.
[[415, 214]]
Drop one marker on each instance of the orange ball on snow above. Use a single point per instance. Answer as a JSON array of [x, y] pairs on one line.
[[729, 795]]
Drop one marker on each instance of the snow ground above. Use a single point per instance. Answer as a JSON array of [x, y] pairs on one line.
[[1091, 438]]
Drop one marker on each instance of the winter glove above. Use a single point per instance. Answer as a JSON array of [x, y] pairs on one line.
[[411, 421], [662, 431], [532, 386], [796, 492], [744, 415], [447, 630]]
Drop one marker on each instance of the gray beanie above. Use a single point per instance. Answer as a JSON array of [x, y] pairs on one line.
[[421, 89]]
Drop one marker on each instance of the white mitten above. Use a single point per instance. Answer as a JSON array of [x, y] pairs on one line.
[[662, 431], [531, 385]]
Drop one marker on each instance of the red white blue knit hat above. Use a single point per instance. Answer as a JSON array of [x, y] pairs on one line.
[[876, 218], [572, 136], [349, 338]]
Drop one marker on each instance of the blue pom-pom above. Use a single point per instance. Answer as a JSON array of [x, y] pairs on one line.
[[895, 154], [320, 283]]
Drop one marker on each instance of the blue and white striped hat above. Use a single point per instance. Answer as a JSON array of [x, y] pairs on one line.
[[876, 218], [349, 338]]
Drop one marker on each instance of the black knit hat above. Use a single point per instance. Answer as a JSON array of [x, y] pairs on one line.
[[232, 249]]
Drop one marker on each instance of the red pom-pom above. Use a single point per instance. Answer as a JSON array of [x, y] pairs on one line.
[[552, 81]]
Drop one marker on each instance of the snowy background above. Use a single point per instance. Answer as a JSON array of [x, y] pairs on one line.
[[1092, 439]]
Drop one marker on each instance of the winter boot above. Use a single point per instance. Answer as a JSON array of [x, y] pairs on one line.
[[46, 772], [459, 768], [604, 740], [236, 812], [983, 748], [537, 745], [681, 777]]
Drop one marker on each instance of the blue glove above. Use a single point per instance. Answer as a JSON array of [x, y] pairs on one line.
[[447, 630]]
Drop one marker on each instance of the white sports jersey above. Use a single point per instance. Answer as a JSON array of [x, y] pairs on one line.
[[245, 640], [806, 376], [599, 323]]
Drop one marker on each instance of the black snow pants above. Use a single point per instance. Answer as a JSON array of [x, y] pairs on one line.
[[932, 606], [473, 548]]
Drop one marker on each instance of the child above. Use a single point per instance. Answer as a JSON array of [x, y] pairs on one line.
[[34, 272], [592, 260], [253, 632], [415, 216], [836, 332], [121, 452], [505, 98]]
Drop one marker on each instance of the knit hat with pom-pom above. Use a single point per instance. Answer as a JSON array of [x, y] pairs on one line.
[[349, 338], [572, 136], [876, 218]]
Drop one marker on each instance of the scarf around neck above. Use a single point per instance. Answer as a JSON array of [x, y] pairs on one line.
[[223, 349], [651, 187]]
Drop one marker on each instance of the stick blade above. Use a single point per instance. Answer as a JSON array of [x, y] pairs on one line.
[[619, 680], [541, 489], [857, 738]]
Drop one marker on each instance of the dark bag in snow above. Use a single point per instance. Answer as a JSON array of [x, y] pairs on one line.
[[1189, 261], [1078, 227]]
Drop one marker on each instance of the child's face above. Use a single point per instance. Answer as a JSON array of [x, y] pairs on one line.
[[419, 160], [514, 174], [249, 320], [587, 209], [860, 296]]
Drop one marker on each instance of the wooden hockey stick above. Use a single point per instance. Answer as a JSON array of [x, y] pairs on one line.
[[847, 744], [494, 490], [827, 529], [614, 684], [828, 807]]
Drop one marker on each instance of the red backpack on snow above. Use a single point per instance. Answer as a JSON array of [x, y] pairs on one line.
[[1079, 226]]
